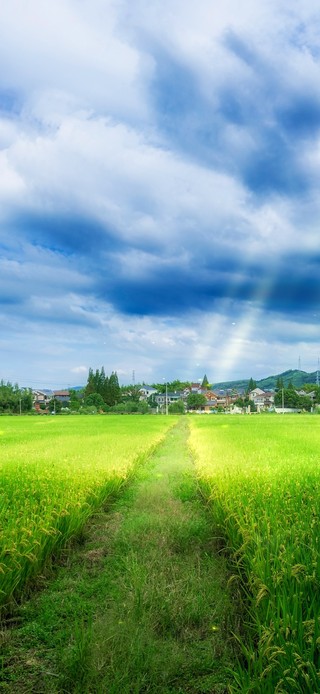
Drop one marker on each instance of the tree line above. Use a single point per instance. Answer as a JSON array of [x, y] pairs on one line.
[[14, 400], [104, 393]]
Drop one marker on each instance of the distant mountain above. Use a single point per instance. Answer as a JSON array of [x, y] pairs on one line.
[[296, 377], [230, 385]]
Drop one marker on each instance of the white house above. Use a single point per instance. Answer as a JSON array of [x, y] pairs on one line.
[[146, 391], [261, 398]]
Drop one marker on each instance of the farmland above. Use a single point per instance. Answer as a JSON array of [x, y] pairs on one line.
[[261, 478], [54, 472], [218, 588]]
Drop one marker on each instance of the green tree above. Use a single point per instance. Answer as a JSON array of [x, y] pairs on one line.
[[143, 407], [205, 382], [290, 399], [90, 387], [105, 392], [54, 405], [75, 399], [107, 387], [195, 400], [94, 400], [251, 385], [114, 389], [239, 402], [176, 407], [131, 393], [173, 386], [14, 399], [245, 402]]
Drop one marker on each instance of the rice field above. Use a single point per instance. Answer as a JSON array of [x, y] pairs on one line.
[[261, 478], [54, 473]]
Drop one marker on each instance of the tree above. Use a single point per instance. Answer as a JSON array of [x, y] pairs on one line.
[[54, 405], [114, 389], [107, 387], [14, 399], [309, 387], [75, 400], [105, 391], [95, 400], [172, 386], [251, 385], [152, 402], [239, 402], [205, 382], [177, 407], [90, 387], [195, 400], [131, 393], [143, 407], [245, 402], [292, 399]]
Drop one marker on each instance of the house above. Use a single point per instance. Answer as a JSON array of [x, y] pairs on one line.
[[146, 392], [224, 398], [61, 395], [196, 388], [41, 397], [163, 398], [262, 399], [210, 405], [303, 393]]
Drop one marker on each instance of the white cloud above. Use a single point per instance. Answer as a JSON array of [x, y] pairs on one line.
[[84, 138], [80, 370]]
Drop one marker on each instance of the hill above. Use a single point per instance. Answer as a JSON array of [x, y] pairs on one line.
[[296, 377]]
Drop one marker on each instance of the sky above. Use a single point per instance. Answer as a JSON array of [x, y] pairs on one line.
[[159, 189]]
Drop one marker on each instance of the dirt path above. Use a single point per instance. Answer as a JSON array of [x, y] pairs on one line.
[[142, 605]]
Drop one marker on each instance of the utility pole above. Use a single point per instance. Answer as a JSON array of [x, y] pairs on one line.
[[166, 399], [318, 374], [282, 401]]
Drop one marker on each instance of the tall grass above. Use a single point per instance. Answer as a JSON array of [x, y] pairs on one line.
[[261, 476], [54, 472]]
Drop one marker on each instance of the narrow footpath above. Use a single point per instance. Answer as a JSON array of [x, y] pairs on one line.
[[141, 604]]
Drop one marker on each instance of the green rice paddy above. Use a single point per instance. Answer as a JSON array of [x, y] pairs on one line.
[[259, 478], [54, 472]]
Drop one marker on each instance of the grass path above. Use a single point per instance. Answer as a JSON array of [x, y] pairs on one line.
[[140, 605]]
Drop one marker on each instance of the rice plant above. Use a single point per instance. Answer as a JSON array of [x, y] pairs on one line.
[[54, 472], [261, 477]]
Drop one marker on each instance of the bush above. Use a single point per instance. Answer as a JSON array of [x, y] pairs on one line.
[[177, 407]]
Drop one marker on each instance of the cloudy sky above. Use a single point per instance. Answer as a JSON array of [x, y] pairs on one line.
[[159, 189]]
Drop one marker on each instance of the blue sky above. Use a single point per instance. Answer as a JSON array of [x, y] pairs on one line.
[[159, 189]]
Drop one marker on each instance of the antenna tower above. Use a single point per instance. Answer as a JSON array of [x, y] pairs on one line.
[[133, 378], [299, 364]]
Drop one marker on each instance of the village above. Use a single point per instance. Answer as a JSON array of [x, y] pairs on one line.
[[194, 398]]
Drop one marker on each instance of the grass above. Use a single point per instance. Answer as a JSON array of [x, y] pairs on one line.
[[142, 605], [261, 478], [54, 472]]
